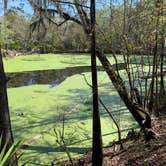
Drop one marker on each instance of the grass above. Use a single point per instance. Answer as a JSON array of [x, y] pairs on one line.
[[37, 110]]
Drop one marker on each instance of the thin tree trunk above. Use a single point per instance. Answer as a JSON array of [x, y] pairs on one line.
[[153, 100], [5, 6], [162, 89], [97, 154]]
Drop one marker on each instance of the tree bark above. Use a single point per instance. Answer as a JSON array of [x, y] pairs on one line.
[[162, 88], [97, 154], [5, 123], [153, 101]]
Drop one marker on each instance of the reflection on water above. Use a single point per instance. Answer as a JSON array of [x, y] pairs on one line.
[[52, 77]]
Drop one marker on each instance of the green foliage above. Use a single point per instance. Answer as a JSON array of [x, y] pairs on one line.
[[139, 27], [5, 32], [19, 33], [6, 156]]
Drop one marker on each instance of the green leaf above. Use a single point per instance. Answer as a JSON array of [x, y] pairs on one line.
[[5, 158]]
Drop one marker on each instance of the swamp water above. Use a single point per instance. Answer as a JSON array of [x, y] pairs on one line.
[[35, 127]]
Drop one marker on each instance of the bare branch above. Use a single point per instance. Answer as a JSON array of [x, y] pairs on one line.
[[109, 113]]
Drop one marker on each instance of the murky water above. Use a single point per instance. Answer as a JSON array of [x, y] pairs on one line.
[[52, 77]]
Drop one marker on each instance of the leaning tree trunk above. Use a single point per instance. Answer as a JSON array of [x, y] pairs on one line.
[[137, 110], [5, 123]]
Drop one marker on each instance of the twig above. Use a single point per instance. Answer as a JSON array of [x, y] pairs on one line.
[[61, 141], [109, 113]]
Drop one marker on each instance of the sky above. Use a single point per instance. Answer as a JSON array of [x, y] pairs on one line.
[[24, 4], [27, 8]]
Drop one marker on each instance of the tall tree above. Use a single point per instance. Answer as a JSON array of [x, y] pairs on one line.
[[153, 103], [97, 140], [162, 88], [5, 123]]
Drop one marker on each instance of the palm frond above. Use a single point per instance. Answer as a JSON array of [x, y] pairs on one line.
[[5, 157]]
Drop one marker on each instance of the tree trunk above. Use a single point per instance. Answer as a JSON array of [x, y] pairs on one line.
[[137, 110], [97, 154], [162, 88], [153, 101], [5, 124]]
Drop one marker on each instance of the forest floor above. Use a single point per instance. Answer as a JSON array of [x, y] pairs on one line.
[[136, 151]]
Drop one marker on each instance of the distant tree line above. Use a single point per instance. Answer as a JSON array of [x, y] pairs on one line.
[[139, 26]]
